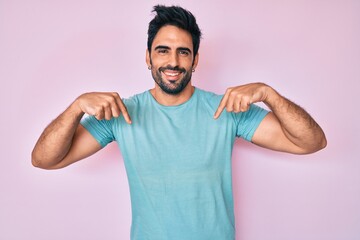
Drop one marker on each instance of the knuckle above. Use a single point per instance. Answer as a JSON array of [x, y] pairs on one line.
[[245, 99], [233, 94], [99, 113], [244, 107], [239, 96], [106, 104], [98, 109], [115, 112], [115, 95]]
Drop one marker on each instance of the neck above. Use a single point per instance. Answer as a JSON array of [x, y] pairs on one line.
[[166, 99]]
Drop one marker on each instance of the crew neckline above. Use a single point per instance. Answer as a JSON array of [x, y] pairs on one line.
[[193, 96]]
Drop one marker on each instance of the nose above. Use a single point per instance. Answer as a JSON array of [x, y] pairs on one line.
[[174, 60]]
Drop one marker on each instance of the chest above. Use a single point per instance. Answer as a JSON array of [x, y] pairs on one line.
[[163, 141]]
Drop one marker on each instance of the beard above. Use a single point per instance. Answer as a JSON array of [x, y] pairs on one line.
[[172, 88]]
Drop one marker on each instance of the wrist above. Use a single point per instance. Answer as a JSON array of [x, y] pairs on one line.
[[273, 98], [75, 109]]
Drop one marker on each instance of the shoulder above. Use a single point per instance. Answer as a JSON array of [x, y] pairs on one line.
[[210, 98], [136, 99]]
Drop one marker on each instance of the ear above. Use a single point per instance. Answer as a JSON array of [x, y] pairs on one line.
[[196, 60], [148, 61]]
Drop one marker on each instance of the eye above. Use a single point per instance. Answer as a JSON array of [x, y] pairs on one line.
[[162, 51], [184, 53]]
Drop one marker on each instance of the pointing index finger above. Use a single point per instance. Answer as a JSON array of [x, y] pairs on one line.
[[221, 107], [124, 111]]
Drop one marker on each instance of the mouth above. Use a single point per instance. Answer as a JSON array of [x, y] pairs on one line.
[[171, 75]]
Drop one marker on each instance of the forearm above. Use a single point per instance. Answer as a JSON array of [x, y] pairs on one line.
[[298, 126], [55, 142]]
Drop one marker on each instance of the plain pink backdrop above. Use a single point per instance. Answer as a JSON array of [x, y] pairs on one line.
[[52, 51]]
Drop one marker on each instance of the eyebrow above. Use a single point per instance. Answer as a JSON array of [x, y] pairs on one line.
[[162, 47], [184, 49], [167, 47]]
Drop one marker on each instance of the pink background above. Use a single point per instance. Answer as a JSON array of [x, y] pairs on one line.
[[52, 51]]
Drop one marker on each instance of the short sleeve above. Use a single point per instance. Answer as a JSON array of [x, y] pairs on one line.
[[101, 130], [247, 122]]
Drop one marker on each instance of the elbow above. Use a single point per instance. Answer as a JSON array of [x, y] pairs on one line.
[[323, 143], [35, 160], [39, 162], [317, 145]]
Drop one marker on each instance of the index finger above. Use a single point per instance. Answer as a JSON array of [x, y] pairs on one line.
[[221, 106], [123, 110]]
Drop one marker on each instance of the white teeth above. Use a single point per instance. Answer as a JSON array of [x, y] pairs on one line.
[[172, 74]]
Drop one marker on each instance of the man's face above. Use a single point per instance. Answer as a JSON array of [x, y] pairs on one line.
[[172, 59]]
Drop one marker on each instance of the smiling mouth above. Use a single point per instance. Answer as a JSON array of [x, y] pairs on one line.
[[171, 75]]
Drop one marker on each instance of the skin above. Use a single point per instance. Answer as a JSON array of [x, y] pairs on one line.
[[172, 47], [286, 128]]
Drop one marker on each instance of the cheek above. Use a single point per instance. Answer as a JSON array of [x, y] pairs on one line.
[[156, 63], [188, 62]]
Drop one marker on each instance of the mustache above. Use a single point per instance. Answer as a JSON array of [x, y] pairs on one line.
[[161, 69]]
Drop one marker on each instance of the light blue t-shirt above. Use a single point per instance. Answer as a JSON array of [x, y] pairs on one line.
[[178, 163]]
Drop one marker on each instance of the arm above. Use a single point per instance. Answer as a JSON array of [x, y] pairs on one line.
[[287, 128], [65, 141]]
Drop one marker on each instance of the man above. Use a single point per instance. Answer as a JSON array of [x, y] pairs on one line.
[[175, 139]]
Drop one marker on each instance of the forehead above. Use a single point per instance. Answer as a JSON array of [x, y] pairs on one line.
[[172, 37]]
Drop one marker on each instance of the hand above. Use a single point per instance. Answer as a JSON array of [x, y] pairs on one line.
[[238, 99], [103, 105]]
